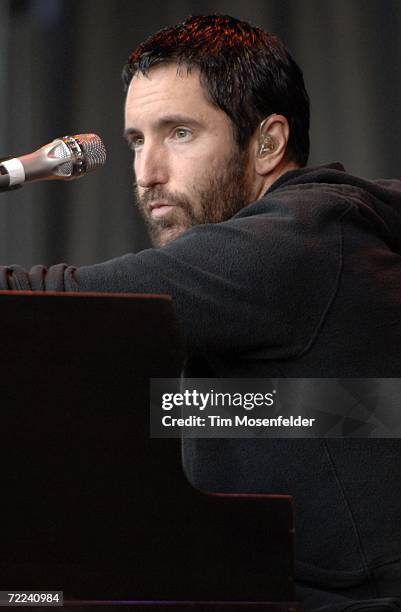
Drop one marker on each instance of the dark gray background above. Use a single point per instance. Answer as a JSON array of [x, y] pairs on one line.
[[60, 64]]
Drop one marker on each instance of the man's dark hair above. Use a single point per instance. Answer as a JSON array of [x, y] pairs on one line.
[[245, 71]]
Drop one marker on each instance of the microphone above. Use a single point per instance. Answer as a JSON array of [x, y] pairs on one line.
[[64, 158]]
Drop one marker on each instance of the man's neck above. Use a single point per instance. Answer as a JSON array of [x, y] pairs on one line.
[[272, 178]]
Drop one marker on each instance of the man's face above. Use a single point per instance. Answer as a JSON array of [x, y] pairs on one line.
[[188, 168]]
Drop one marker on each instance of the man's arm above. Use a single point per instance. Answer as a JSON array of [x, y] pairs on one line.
[[241, 285]]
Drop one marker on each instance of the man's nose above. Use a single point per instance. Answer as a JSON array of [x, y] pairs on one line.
[[150, 166]]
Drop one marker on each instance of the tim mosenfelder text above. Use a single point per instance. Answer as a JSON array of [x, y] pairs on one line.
[[214, 420]]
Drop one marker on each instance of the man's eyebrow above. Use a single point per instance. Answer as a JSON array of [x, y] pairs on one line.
[[163, 121], [130, 132]]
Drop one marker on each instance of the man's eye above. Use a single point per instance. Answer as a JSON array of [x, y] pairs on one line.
[[135, 143], [181, 133]]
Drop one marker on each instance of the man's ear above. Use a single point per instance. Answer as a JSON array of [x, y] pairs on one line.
[[270, 143]]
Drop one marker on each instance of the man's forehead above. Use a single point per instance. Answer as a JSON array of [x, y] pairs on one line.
[[164, 79], [167, 90]]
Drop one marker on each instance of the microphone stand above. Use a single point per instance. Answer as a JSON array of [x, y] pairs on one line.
[[4, 186]]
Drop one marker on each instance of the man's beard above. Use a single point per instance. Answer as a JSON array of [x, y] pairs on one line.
[[219, 197]]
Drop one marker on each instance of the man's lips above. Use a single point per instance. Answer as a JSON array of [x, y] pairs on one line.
[[159, 209]]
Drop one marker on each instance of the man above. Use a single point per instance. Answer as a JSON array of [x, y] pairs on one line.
[[275, 271]]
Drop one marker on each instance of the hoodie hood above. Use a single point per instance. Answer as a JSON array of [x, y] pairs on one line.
[[382, 197]]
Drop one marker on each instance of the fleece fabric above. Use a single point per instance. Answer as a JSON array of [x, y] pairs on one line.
[[305, 282]]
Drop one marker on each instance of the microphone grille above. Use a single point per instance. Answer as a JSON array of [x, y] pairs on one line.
[[93, 149]]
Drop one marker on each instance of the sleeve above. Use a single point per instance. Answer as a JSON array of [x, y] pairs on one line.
[[240, 286]]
